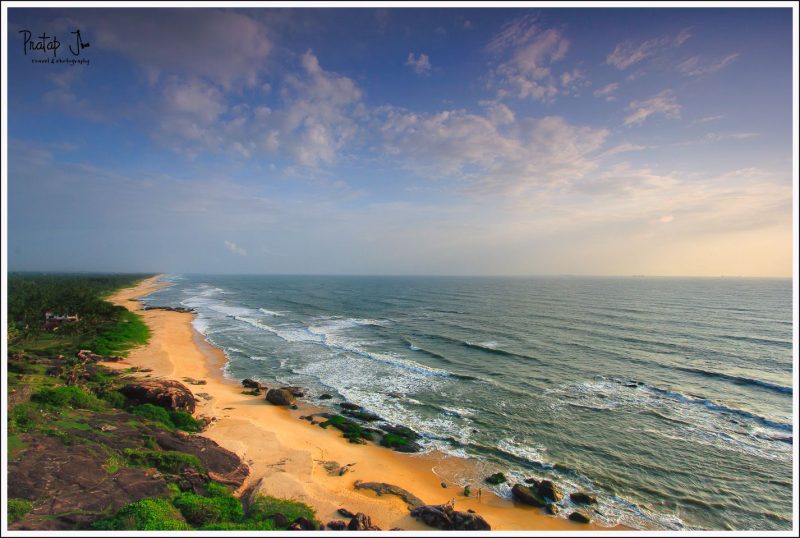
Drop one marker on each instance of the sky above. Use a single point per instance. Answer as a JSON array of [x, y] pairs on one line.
[[431, 141]]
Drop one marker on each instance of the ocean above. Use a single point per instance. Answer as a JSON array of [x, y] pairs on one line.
[[670, 398]]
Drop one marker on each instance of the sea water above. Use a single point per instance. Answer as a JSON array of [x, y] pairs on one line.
[[669, 398]]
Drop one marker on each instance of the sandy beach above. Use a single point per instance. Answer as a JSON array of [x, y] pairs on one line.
[[285, 454]]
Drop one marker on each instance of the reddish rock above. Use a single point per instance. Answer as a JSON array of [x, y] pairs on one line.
[[169, 394]]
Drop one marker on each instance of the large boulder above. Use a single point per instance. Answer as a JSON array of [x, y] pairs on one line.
[[169, 394], [280, 397], [527, 495], [579, 517], [581, 497], [496, 478], [444, 517], [251, 384], [546, 488]]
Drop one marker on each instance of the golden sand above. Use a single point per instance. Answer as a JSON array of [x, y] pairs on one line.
[[285, 453]]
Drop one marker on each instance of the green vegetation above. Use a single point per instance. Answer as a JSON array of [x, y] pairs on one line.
[[496, 478], [146, 515], [17, 508], [61, 397], [167, 461], [31, 295], [172, 419], [219, 511], [352, 432], [129, 331], [392, 440], [466, 491]]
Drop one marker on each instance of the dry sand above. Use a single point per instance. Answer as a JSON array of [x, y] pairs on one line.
[[285, 453]]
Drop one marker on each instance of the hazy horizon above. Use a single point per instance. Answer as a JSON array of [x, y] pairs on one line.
[[403, 142]]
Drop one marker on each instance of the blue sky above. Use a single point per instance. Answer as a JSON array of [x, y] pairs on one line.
[[404, 141]]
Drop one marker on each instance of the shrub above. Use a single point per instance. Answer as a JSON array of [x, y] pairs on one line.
[[26, 416], [152, 412], [215, 489], [17, 508], [74, 397], [264, 506], [167, 461], [184, 421], [114, 398], [146, 515], [200, 510]]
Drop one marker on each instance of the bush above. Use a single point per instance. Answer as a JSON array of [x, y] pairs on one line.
[[114, 398], [215, 489], [17, 508], [146, 515], [185, 421], [153, 412], [167, 461], [264, 506], [171, 419], [26, 416], [74, 397], [200, 510]]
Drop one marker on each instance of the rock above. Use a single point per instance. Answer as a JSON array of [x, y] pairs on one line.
[[169, 394], [527, 495], [280, 397], [444, 485], [251, 383], [349, 406], [346, 513], [389, 489], [297, 392], [496, 478], [546, 489], [54, 371], [361, 522], [581, 497], [444, 517], [325, 396], [302, 524], [336, 525], [579, 517], [363, 415], [551, 509]]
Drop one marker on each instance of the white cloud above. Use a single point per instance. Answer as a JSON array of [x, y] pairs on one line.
[[694, 66], [491, 153], [607, 91], [707, 119], [531, 51], [236, 249], [663, 103], [630, 52], [421, 65]]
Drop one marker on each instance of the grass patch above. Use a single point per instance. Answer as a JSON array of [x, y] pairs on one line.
[[61, 397], [265, 506], [72, 425], [15, 445], [146, 515], [199, 510], [167, 461], [17, 508], [129, 331], [171, 419]]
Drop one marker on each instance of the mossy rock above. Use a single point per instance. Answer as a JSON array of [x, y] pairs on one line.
[[496, 478]]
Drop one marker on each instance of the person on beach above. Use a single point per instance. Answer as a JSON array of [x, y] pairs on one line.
[[480, 491]]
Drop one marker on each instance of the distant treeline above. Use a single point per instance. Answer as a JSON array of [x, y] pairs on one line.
[[31, 295]]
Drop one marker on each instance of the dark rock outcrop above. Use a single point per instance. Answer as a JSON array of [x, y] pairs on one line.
[[302, 524], [496, 478], [527, 495], [411, 500], [251, 384], [444, 517], [346, 513], [280, 397], [581, 497], [362, 522], [551, 509], [579, 517], [546, 489], [349, 406], [337, 525], [222, 465], [169, 394], [297, 392]]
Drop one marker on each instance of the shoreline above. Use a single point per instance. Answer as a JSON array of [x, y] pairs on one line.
[[285, 454]]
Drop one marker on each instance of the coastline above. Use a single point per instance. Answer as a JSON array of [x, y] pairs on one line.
[[285, 454]]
